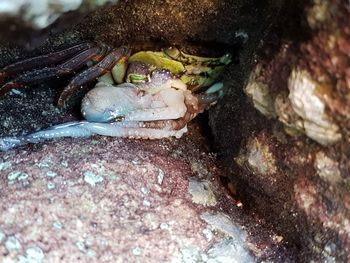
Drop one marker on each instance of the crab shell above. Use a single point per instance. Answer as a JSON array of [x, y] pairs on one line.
[[196, 72]]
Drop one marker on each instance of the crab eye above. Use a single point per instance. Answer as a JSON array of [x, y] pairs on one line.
[[161, 74], [138, 72]]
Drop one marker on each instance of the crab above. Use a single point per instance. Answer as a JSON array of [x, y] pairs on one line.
[[148, 95], [195, 71]]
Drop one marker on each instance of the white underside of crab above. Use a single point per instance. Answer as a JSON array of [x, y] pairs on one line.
[[131, 102]]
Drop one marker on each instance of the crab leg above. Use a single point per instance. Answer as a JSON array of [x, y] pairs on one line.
[[211, 95], [131, 129], [127, 129], [92, 73], [204, 100], [65, 68], [169, 125], [207, 99], [86, 129], [42, 61]]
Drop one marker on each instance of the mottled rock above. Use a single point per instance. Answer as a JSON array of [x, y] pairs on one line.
[[327, 168], [117, 199], [259, 93], [258, 157], [299, 87], [311, 109]]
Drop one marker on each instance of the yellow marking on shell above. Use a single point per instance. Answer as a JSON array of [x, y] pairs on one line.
[[158, 60], [194, 71], [119, 70], [181, 56]]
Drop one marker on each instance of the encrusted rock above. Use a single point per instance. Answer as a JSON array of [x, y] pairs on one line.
[[301, 111], [318, 13], [258, 91], [41, 13], [257, 157], [202, 192], [293, 123], [327, 168], [305, 68], [306, 103]]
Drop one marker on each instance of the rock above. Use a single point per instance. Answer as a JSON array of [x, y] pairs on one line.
[[299, 85], [121, 200], [42, 13]]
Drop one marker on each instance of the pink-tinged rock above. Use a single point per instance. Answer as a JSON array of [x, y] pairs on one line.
[[106, 199]]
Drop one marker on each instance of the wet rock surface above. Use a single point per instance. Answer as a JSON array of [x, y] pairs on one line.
[[106, 199]]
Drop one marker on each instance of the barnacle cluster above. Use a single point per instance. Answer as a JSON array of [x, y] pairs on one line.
[[301, 109]]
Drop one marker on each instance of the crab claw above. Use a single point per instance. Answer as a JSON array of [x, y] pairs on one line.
[[119, 70], [92, 73]]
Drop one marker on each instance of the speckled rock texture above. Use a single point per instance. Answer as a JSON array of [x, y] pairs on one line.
[[289, 158], [115, 200]]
